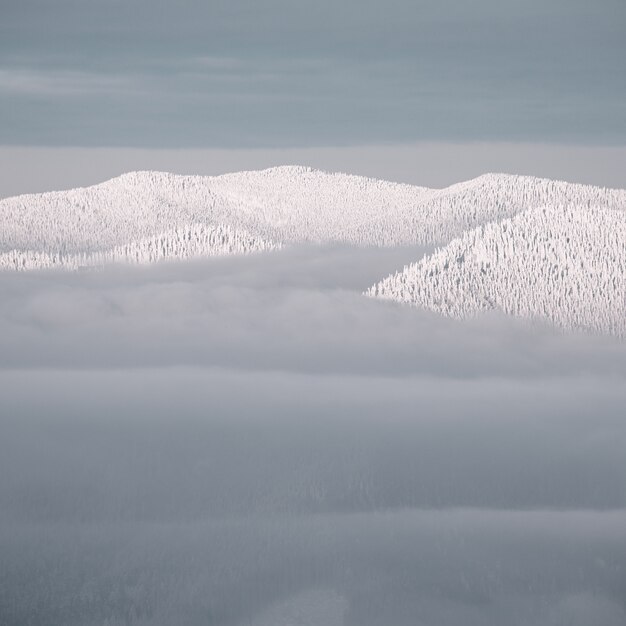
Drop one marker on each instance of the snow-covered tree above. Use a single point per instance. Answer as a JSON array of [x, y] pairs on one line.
[[565, 264]]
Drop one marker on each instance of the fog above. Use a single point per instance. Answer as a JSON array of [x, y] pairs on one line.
[[252, 441], [299, 310]]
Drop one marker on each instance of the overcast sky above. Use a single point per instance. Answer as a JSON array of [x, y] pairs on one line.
[[421, 91], [268, 73]]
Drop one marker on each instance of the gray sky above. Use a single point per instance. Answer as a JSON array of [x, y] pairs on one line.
[[279, 73], [30, 169]]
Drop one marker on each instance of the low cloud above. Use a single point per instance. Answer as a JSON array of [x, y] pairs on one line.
[[300, 310], [245, 440]]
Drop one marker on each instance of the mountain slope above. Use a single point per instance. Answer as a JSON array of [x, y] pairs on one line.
[[564, 264], [275, 206], [195, 240]]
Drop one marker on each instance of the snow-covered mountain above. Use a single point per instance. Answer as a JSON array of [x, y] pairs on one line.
[[195, 240], [564, 264], [146, 216]]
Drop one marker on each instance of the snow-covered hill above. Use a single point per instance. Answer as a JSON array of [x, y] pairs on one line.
[[564, 264], [140, 216], [195, 240]]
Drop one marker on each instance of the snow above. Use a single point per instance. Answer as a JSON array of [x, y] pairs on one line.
[[563, 264], [195, 240], [139, 217]]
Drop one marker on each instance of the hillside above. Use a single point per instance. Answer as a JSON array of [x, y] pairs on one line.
[[118, 219], [563, 264], [195, 240]]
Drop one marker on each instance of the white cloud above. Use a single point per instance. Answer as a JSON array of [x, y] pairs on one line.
[[31, 82]]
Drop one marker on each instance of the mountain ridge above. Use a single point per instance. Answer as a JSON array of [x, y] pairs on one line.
[[273, 207], [566, 265]]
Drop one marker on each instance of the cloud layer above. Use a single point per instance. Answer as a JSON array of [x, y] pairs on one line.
[[251, 441], [300, 309]]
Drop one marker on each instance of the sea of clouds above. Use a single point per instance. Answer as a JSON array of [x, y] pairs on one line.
[[252, 441]]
